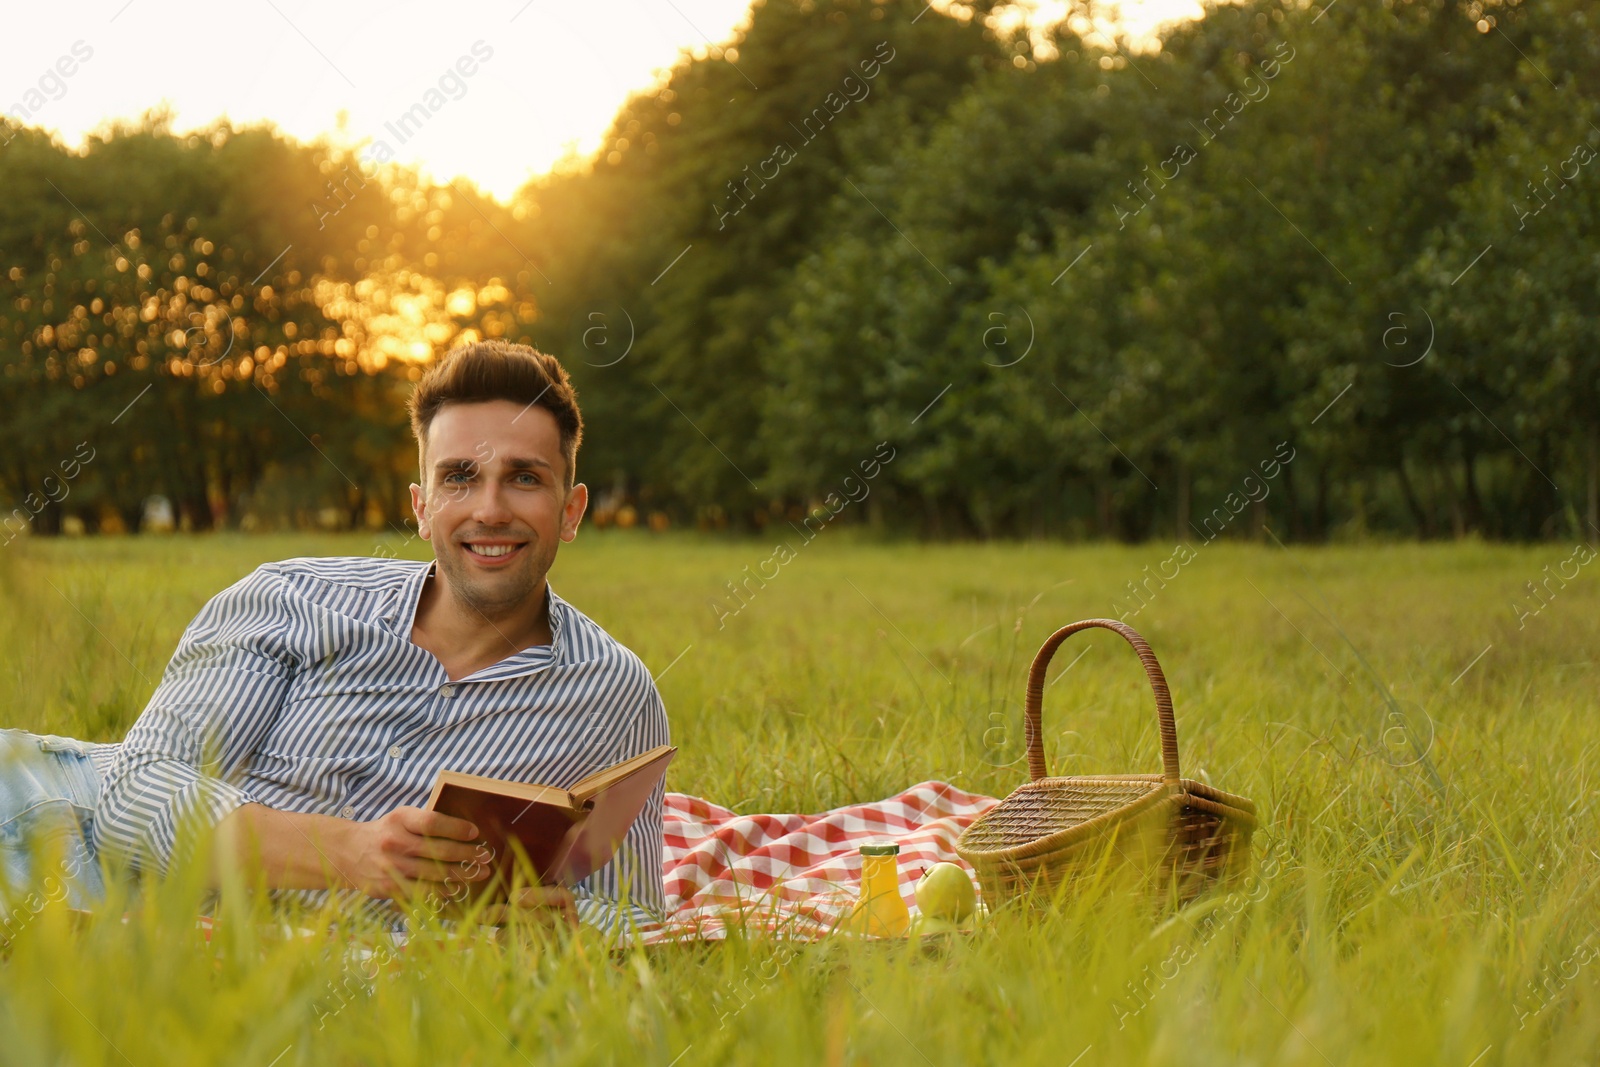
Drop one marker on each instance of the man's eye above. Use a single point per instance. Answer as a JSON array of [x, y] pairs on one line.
[[457, 477], [527, 479]]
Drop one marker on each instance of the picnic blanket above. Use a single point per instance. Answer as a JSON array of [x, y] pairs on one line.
[[796, 875]]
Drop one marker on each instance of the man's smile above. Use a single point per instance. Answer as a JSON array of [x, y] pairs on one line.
[[494, 553]]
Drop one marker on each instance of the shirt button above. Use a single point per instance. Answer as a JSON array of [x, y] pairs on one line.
[[396, 751], [349, 811], [447, 690]]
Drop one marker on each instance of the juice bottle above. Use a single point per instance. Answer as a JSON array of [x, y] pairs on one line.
[[881, 911]]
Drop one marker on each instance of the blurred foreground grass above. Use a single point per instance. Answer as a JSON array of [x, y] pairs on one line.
[[1422, 756]]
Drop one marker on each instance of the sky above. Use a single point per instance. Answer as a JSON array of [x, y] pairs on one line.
[[545, 76]]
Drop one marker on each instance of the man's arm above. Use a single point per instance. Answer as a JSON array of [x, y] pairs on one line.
[[217, 699], [180, 763]]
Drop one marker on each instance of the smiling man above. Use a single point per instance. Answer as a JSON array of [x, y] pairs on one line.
[[308, 706]]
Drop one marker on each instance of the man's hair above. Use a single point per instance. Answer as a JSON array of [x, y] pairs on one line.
[[495, 370]]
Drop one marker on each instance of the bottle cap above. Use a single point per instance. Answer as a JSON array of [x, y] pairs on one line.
[[880, 850]]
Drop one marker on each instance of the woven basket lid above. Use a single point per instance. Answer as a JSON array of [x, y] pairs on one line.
[[1048, 806]]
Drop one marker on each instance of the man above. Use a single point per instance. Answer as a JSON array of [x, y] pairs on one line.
[[308, 706]]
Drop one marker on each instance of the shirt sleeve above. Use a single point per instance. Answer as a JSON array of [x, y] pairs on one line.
[[631, 884], [180, 765]]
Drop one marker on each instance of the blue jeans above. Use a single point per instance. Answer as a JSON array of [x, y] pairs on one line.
[[49, 789]]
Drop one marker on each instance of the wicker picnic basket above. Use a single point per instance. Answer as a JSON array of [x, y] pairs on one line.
[[1172, 835]]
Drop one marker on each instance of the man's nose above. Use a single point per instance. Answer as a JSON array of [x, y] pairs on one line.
[[489, 505]]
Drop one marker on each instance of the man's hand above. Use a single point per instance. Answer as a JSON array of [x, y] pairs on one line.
[[411, 852], [406, 852], [551, 905]]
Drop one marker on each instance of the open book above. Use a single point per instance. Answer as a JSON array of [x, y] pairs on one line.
[[563, 835]]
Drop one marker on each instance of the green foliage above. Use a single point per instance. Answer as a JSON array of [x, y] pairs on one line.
[[191, 351], [1081, 290]]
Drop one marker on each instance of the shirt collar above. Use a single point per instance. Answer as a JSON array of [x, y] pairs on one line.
[[403, 605], [402, 613], [558, 609]]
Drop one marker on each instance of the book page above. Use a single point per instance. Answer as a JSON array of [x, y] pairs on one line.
[[587, 788]]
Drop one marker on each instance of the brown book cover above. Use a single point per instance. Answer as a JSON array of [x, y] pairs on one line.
[[564, 834]]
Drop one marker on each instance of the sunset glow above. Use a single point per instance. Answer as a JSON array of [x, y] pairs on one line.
[[493, 93]]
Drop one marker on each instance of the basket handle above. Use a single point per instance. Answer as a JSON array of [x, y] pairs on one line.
[[1152, 669]]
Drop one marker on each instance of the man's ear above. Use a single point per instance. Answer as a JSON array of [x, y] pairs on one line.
[[572, 511], [419, 507]]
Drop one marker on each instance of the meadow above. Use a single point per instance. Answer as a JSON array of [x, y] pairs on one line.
[[1416, 728]]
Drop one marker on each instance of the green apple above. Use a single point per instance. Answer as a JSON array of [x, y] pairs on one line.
[[945, 892], [928, 925]]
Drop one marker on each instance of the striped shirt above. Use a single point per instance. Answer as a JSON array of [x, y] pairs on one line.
[[299, 688]]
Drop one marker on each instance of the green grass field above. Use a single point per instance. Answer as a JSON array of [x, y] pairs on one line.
[[1429, 840]]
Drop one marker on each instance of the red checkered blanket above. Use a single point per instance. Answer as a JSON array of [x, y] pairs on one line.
[[795, 875]]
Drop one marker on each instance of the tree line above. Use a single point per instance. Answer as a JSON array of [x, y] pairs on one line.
[[1081, 289]]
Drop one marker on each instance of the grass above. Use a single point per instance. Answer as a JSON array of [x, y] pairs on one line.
[[1428, 859]]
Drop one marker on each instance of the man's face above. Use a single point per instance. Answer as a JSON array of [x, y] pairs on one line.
[[495, 502]]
